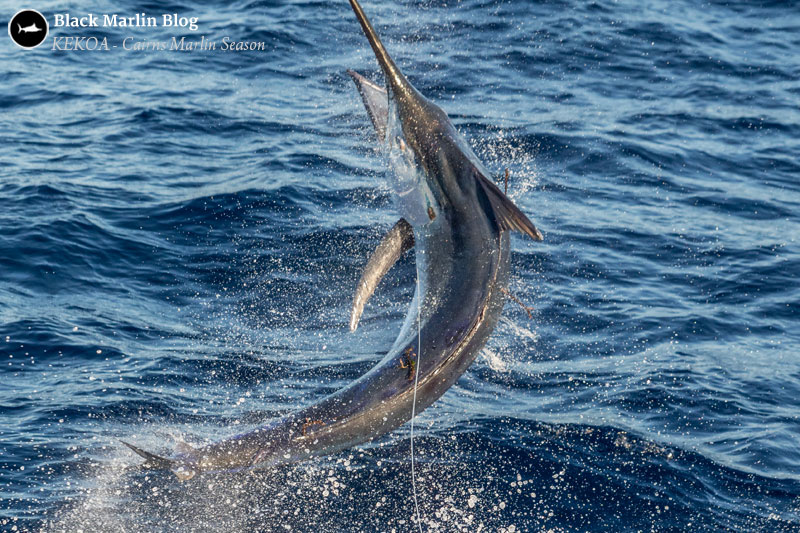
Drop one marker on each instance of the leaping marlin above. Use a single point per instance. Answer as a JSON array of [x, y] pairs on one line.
[[458, 222]]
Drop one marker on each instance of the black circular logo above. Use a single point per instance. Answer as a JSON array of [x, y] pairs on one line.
[[28, 28]]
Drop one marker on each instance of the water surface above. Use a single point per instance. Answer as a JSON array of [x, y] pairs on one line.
[[181, 233]]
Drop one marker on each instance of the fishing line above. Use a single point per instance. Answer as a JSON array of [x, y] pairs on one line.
[[414, 401]]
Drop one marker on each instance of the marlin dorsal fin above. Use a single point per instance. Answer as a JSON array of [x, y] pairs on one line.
[[508, 215], [395, 243]]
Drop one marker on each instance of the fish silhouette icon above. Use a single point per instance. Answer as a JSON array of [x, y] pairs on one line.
[[33, 28]]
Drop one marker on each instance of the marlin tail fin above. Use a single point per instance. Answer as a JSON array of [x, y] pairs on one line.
[[152, 461]]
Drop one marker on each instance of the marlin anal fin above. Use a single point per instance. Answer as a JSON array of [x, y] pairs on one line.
[[375, 100], [508, 215], [395, 243]]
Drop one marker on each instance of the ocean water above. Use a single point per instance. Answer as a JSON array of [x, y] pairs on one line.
[[181, 234]]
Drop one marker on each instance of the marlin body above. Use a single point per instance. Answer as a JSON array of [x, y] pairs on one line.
[[458, 222], [28, 29]]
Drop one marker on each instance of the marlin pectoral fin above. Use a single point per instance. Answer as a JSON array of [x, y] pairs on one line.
[[375, 100], [507, 214], [395, 243]]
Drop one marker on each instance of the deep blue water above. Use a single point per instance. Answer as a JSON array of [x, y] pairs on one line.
[[181, 233]]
